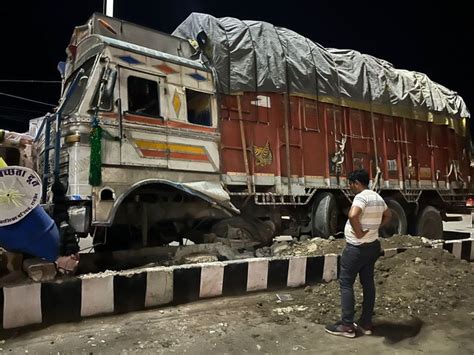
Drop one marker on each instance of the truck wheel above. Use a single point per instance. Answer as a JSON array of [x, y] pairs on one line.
[[429, 223], [324, 215], [398, 224]]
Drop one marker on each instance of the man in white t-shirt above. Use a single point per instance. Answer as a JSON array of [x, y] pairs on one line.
[[368, 212]]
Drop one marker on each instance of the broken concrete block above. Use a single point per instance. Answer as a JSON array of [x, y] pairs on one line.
[[199, 258], [39, 270], [216, 249], [278, 248]]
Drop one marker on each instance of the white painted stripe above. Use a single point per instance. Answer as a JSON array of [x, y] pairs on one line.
[[457, 246], [297, 272], [97, 296], [212, 279], [257, 276], [390, 252], [159, 287], [330, 267], [22, 305]]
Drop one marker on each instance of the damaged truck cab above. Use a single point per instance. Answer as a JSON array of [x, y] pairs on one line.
[[159, 159]]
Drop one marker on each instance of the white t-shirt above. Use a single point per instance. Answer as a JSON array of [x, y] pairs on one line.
[[373, 206]]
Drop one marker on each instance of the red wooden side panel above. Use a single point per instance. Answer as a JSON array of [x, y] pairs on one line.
[[453, 152], [423, 153], [316, 131], [261, 125], [261, 133], [315, 154], [461, 155], [409, 155], [335, 133], [361, 142], [392, 163], [231, 145], [379, 141], [439, 142], [295, 139]]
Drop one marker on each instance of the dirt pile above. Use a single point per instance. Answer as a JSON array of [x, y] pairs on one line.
[[320, 246], [418, 283]]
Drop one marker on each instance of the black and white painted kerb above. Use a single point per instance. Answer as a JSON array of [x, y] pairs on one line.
[[461, 249], [119, 292]]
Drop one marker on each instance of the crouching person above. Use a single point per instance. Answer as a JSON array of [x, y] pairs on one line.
[[26, 228]]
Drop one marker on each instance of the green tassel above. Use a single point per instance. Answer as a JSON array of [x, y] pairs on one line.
[[95, 167]]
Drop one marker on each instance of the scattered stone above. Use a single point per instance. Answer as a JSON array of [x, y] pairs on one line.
[[279, 248], [282, 297], [263, 252], [207, 251], [39, 270], [198, 258]]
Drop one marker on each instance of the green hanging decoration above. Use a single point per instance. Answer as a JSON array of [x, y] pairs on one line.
[[95, 166]]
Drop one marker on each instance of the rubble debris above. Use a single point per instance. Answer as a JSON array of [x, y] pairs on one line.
[[220, 251], [281, 297], [279, 248], [417, 283], [198, 258], [39, 270], [321, 246]]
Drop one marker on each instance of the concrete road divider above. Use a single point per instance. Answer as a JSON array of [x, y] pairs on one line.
[[70, 299]]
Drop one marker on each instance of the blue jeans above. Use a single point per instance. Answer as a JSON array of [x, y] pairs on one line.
[[358, 260]]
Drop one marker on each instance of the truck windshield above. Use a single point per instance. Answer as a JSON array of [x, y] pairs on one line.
[[76, 96]]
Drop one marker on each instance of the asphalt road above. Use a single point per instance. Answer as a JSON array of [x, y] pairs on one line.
[[236, 325]]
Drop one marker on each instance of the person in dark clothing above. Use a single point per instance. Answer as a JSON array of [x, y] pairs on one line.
[[367, 214]]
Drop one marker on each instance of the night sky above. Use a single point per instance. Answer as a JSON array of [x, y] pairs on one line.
[[414, 35]]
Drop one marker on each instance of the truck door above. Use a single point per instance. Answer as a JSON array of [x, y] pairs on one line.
[[144, 133], [192, 129]]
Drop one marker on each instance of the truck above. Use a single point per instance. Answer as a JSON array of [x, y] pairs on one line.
[[239, 131]]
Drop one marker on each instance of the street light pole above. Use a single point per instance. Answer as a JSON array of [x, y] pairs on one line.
[[109, 8]]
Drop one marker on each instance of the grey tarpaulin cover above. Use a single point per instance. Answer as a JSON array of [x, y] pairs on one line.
[[257, 56]]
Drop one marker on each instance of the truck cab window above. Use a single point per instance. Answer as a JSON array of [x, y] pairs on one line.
[[143, 96], [77, 94], [199, 107]]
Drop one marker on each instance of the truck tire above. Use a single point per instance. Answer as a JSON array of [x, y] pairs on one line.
[[324, 215], [398, 224], [429, 223]]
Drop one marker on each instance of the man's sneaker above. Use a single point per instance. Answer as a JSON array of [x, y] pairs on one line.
[[341, 329], [366, 329]]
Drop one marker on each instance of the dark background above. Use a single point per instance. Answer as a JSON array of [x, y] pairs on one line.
[[415, 35]]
